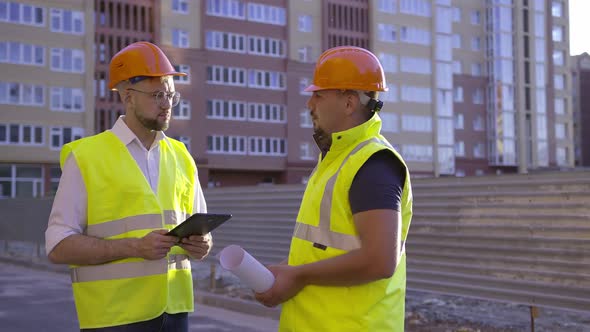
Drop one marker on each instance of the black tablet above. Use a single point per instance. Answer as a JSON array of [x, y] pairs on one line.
[[199, 224]]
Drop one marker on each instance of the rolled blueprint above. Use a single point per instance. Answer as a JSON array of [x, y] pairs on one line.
[[250, 271]]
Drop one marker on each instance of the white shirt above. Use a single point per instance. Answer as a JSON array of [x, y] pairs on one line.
[[69, 213]]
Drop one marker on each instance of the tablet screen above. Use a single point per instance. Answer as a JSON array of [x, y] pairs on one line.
[[199, 224]]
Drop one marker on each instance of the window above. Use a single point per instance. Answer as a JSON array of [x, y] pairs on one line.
[[67, 99], [305, 119], [414, 35], [456, 67], [18, 13], [304, 83], [387, 32], [226, 109], [389, 122], [415, 152], [456, 41], [475, 17], [390, 96], [184, 140], [226, 76], [13, 93], [182, 111], [266, 14], [183, 69], [217, 144], [559, 106], [456, 14], [67, 60], [304, 23], [267, 146], [557, 33], [263, 79], [387, 6], [560, 131], [55, 175], [558, 57], [180, 38], [476, 44], [444, 50], [227, 8], [21, 53], [306, 151], [64, 135], [225, 41], [559, 82], [267, 46], [459, 121], [444, 102], [67, 21], [21, 181], [458, 94], [415, 7], [477, 97], [460, 149], [415, 65], [561, 155], [21, 134], [180, 6], [417, 123], [389, 62], [260, 112], [304, 54], [476, 69], [479, 150], [478, 123], [540, 49], [557, 8], [416, 94]]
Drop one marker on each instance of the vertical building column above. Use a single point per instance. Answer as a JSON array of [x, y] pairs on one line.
[[443, 126]]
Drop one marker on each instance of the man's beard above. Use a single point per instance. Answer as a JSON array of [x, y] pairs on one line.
[[322, 139], [151, 124]]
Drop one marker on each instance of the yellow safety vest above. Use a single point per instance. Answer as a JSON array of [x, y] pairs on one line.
[[121, 204], [325, 218]]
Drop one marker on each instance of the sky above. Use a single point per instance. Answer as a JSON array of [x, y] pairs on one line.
[[579, 26]]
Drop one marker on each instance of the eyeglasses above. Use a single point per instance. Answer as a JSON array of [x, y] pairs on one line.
[[162, 97]]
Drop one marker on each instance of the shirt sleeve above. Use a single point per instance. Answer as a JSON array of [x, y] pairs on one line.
[[378, 184], [199, 205], [68, 214]]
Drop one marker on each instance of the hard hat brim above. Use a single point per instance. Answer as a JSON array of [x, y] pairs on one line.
[[173, 73]]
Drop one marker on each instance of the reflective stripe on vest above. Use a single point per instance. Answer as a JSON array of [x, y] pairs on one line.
[[322, 234], [120, 226], [130, 269]]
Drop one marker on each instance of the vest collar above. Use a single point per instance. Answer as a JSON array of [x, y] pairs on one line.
[[344, 139]]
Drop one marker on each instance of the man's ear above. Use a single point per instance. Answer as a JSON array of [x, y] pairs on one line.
[[125, 96], [352, 103]]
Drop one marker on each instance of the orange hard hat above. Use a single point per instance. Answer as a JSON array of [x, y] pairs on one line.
[[140, 59], [350, 68]]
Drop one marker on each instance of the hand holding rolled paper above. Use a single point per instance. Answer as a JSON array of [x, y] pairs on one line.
[[250, 271]]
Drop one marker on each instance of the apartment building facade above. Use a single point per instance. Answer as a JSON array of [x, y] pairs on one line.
[[46, 84], [478, 86], [581, 109], [117, 24], [475, 87]]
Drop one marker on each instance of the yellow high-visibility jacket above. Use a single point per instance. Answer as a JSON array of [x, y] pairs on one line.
[[121, 204], [325, 218]]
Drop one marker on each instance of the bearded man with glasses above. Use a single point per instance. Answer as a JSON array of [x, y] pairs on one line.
[[119, 194]]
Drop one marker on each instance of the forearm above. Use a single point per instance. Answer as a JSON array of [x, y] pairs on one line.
[[87, 250], [353, 268]]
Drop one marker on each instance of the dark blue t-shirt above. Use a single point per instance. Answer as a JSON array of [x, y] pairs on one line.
[[378, 184]]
